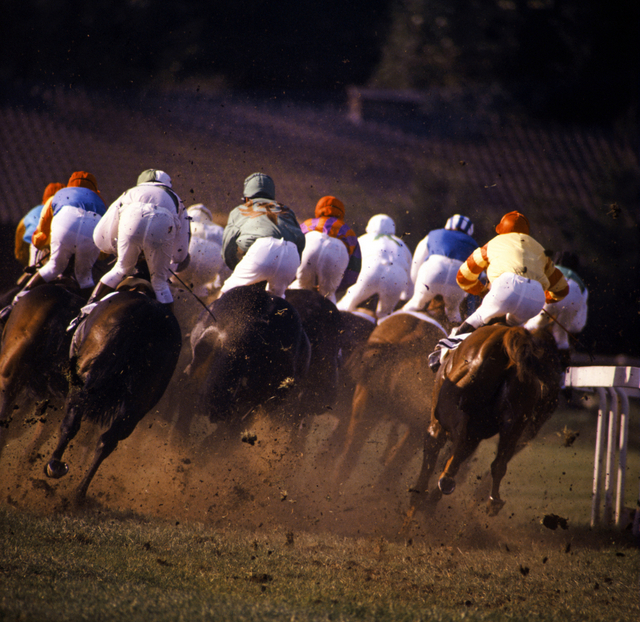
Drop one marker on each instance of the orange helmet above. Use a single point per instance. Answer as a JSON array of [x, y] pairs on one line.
[[330, 206], [513, 222], [84, 180]]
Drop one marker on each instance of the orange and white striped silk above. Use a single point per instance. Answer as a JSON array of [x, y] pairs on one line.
[[516, 253]]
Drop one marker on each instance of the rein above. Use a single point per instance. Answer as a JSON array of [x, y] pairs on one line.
[[570, 335]]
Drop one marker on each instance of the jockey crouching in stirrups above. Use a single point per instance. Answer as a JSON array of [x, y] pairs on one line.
[[521, 279]]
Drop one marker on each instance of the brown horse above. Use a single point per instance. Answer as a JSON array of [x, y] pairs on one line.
[[124, 355], [499, 380], [35, 350], [393, 382]]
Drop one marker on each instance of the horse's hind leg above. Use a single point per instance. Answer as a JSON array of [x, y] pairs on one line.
[[507, 446], [120, 429], [356, 436], [69, 427], [461, 452], [434, 441]]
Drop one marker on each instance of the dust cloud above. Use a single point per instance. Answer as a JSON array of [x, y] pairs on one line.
[[258, 479]]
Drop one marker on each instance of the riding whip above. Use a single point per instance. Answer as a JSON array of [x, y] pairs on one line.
[[193, 294], [570, 335]]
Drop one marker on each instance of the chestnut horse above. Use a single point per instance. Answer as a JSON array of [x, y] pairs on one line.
[[123, 357], [500, 380], [393, 382], [35, 350]]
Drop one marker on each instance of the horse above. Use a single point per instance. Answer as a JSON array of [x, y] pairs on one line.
[[393, 382], [122, 358], [500, 380], [322, 323], [35, 348], [249, 349]]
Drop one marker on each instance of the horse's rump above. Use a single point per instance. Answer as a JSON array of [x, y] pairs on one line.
[[128, 352], [257, 352], [393, 341]]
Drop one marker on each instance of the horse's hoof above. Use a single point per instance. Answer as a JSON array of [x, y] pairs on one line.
[[446, 485], [494, 506], [56, 469]]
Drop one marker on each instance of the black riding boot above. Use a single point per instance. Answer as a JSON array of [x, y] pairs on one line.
[[465, 327]]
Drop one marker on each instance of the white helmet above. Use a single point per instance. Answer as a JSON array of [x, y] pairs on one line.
[[199, 213], [381, 224]]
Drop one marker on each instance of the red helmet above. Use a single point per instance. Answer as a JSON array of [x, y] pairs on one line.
[[513, 222]]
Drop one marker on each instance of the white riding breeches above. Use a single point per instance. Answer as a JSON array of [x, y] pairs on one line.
[[205, 266], [382, 273], [268, 259], [570, 313], [437, 276], [323, 263], [145, 228], [515, 296], [72, 233]]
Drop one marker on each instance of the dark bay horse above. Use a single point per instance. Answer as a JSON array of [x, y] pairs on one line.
[[499, 380], [322, 323], [249, 350], [35, 349], [124, 355], [393, 382]]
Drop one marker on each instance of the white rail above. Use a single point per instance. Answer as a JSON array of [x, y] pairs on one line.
[[617, 383]]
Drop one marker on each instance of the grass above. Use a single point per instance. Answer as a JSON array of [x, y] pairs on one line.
[[88, 568], [117, 561]]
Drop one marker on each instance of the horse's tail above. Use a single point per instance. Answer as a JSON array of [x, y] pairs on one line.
[[523, 351]]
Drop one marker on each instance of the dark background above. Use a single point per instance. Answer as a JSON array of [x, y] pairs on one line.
[[566, 59], [565, 63]]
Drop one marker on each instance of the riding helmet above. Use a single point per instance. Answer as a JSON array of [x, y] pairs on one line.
[[457, 222], [513, 222]]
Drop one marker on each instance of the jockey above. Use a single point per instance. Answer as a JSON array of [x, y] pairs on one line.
[[331, 257], [66, 225], [436, 262], [149, 218], [262, 240], [520, 275], [25, 251], [568, 316], [202, 225], [386, 268], [206, 270]]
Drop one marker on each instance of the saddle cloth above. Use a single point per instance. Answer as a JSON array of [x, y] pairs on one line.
[[443, 347]]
